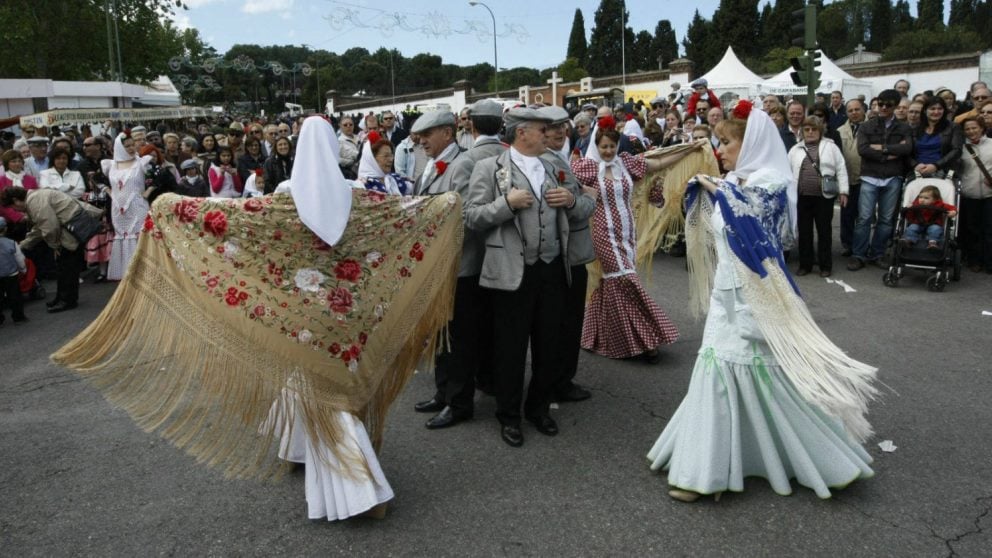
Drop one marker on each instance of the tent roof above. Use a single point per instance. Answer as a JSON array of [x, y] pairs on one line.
[[730, 71], [828, 72]]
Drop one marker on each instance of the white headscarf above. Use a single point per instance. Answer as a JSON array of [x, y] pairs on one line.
[[619, 170], [368, 167], [320, 191], [762, 149], [633, 128], [120, 154]]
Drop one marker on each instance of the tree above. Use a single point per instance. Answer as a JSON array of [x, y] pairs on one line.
[[930, 14], [697, 39], [902, 20], [53, 51], [570, 70], [608, 40], [665, 45], [880, 29], [929, 42], [577, 46], [777, 30], [640, 57], [735, 23], [831, 30]]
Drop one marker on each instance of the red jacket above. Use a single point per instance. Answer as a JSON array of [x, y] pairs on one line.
[[927, 216], [691, 107]]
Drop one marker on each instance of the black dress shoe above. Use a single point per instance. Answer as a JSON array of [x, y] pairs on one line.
[[574, 392], [61, 307], [545, 425], [53, 302], [512, 435], [447, 417], [487, 389], [432, 406]]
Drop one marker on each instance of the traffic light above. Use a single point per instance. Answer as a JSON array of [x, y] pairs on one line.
[[800, 73], [804, 27], [816, 60]]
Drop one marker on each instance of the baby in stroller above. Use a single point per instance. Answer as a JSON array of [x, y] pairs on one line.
[[926, 216]]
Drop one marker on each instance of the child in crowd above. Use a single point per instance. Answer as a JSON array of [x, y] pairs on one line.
[[192, 184], [925, 220], [12, 264]]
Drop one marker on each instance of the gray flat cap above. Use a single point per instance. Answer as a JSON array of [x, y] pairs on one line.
[[556, 114], [433, 119], [514, 117], [138, 129], [38, 139], [659, 101], [486, 107], [188, 164], [589, 106]]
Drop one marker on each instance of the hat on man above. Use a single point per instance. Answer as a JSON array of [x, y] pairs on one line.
[[701, 82], [188, 164], [433, 119], [517, 116], [153, 134], [38, 140], [557, 115], [589, 106], [486, 107], [659, 100], [236, 129], [139, 129]]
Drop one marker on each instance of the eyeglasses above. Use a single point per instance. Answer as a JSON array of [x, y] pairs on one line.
[[885, 104], [259, 132], [980, 97], [388, 118]]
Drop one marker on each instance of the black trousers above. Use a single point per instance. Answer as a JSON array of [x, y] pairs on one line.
[[815, 211], [531, 314], [470, 333], [571, 327], [68, 264], [10, 297], [976, 231], [849, 214]]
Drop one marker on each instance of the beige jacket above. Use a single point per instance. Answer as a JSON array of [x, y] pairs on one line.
[[849, 148], [49, 211]]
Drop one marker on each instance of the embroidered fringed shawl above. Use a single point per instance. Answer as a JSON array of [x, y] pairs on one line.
[[658, 227], [757, 226], [233, 310]]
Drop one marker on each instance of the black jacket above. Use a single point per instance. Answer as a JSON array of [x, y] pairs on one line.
[[897, 147], [951, 145]]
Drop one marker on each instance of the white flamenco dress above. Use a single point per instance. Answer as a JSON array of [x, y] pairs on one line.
[[743, 415], [334, 490]]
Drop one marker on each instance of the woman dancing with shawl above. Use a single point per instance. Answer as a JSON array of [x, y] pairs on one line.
[[375, 171], [621, 319], [770, 395]]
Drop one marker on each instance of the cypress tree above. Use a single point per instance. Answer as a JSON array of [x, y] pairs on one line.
[[665, 45], [606, 45], [881, 25], [577, 46], [930, 14]]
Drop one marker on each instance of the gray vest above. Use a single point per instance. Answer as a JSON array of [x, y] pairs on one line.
[[539, 225]]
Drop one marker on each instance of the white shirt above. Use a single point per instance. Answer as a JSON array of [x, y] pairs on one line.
[[532, 168], [71, 182]]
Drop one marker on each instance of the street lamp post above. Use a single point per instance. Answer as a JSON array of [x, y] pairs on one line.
[[316, 61], [495, 55]]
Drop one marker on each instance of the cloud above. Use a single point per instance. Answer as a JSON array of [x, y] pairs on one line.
[[191, 4], [181, 21], [262, 6]]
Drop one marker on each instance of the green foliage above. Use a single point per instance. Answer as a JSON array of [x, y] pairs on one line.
[[929, 42], [930, 14], [577, 46], [664, 44], [571, 70], [775, 59], [52, 27], [880, 29], [607, 45], [697, 42], [640, 57]]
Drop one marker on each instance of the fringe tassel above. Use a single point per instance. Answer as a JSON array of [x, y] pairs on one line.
[[822, 373], [217, 386]]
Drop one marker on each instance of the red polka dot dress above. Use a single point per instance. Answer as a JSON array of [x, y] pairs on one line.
[[621, 319]]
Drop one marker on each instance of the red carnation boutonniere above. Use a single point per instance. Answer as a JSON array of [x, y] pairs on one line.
[[441, 166], [561, 177]]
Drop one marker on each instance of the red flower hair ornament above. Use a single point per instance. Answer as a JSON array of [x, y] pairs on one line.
[[743, 109], [374, 137], [606, 122]]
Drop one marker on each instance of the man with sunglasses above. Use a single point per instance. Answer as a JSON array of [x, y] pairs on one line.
[[885, 144], [979, 96], [392, 129]]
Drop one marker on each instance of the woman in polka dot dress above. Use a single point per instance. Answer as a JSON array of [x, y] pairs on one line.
[[621, 320]]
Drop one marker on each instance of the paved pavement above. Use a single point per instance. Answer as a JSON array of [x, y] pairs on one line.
[[77, 478]]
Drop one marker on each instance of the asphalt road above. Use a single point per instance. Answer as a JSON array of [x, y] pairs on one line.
[[77, 478]]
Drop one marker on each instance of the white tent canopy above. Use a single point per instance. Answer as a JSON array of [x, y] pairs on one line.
[[730, 75], [832, 78]]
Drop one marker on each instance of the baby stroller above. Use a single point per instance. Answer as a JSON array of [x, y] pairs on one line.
[[945, 261]]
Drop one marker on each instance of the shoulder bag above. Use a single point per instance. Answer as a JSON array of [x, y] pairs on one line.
[[828, 183], [83, 226]]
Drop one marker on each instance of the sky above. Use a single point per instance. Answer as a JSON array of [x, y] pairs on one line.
[[529, 33]]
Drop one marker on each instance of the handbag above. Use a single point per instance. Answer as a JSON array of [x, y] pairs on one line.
[[828, 183], [978, 162], [83, 226]]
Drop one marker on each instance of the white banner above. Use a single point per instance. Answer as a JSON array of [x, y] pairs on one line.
[[61, 117]]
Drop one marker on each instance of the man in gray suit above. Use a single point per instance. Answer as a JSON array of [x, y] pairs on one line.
[[580, 252], [523, 209], [436, 130], [471, 328]]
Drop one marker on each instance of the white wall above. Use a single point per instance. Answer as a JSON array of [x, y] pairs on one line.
[[455, 101], [79, 102]]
